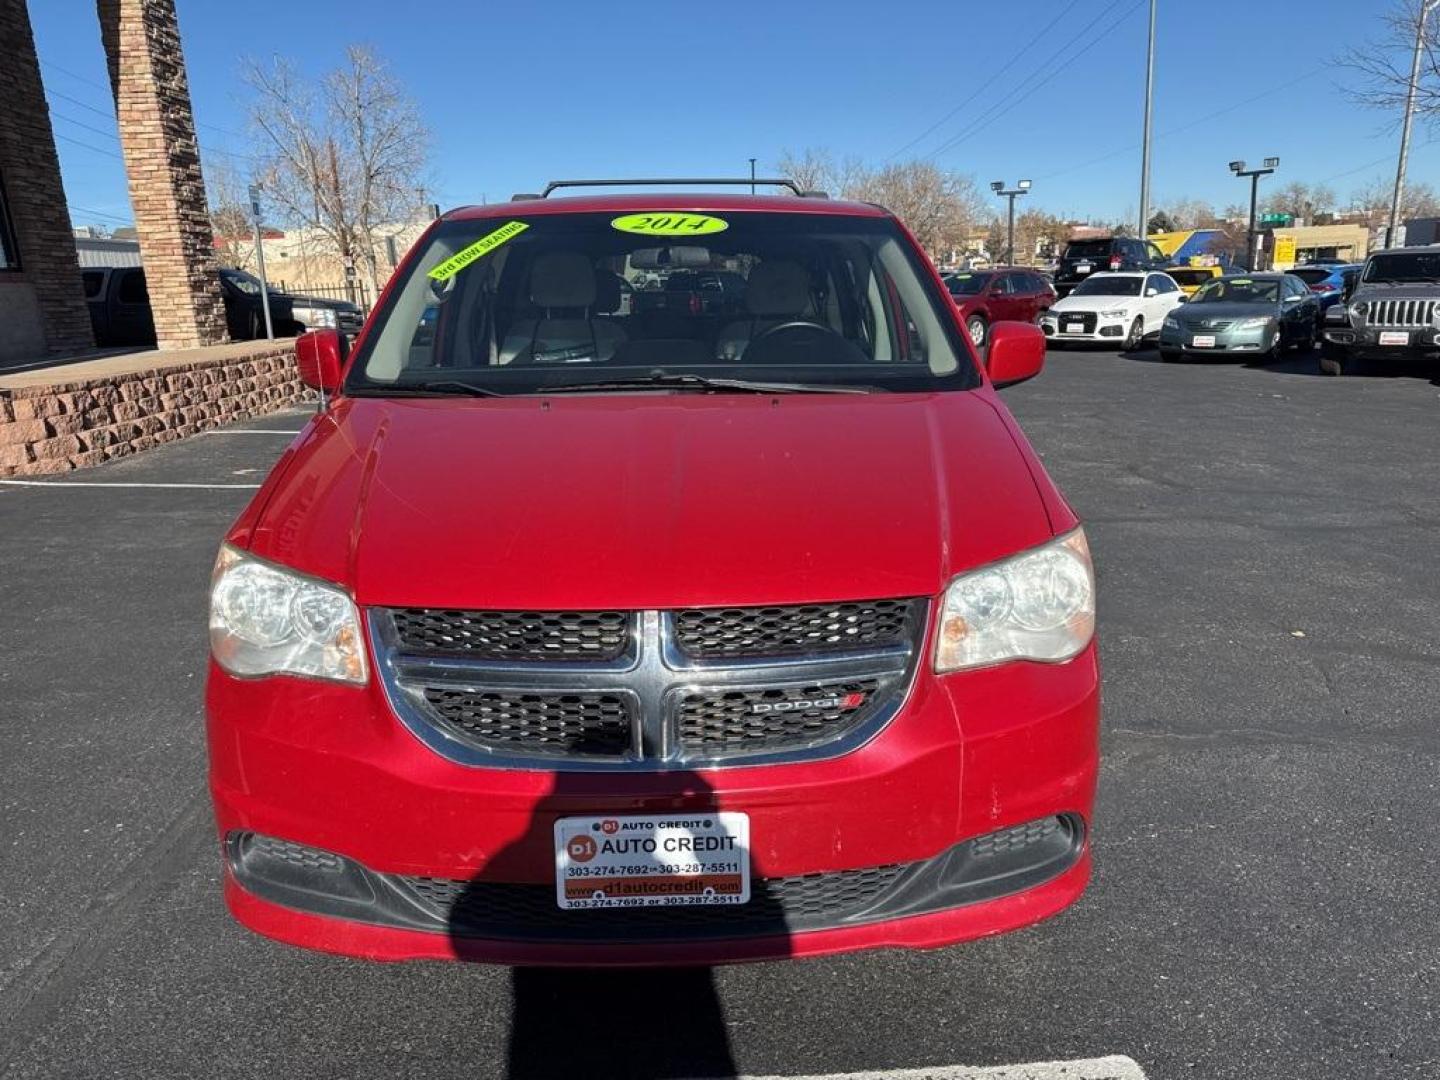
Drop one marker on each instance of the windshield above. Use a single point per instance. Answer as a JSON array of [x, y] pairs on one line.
[[1105, 285], [967, 284], [1239, 291], [1088, 249], [528, 304], [243, 281], [1191, 277], [1404, 266]]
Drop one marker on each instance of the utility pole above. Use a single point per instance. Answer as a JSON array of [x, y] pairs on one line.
[[752, 176], [260, 259], [1394, 229], [1238, 168], [1022, 188], [1149, 109]]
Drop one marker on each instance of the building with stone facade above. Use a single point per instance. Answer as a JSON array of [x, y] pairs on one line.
[[42, 307]]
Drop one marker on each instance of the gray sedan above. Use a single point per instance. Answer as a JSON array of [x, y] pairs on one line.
[[1255, 315]]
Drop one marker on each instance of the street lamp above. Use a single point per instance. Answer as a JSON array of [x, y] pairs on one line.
[[1425, 9], [1238, 168], [752, 176], [1022, 188]]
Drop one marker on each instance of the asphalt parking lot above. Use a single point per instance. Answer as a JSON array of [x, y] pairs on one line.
[[1265, 900]]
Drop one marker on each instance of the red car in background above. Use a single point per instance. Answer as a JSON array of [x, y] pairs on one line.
[[564, 635], [998, 294]]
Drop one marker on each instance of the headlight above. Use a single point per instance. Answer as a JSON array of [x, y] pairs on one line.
[[1039, 605], [1118, 313], [1254, 324], [316, 316], [1172, 323], [266, 620], [1357, 311]]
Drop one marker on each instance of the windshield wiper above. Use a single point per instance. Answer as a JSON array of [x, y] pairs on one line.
[[662, 381], [438, 388]]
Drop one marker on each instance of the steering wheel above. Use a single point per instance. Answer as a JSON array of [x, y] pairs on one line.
[[799, 335]]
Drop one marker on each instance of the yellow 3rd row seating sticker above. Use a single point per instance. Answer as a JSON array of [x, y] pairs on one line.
[[659, 223], [480, 248]]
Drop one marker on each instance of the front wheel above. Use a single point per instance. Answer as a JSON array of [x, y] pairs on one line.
[[1332, 364], [976, 327], [1135, 336]]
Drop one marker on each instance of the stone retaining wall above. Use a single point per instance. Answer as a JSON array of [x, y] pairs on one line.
[[70, 425]]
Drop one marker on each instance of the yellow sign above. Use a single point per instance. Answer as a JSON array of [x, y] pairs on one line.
[[480, 248], [670, 224], [1284, 251]]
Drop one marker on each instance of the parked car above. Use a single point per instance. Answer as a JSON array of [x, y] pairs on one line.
[[1393, 312], [1085, 257], [120, 314], [773, 642], [1121, 309], [321, 312], [1255, 315], [1190, 278], [1330, 282], [985, 297]]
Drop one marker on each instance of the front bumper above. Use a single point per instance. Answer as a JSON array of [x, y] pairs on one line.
[[1379, 342], [969, 755], [1106, 331], [1257, 341]]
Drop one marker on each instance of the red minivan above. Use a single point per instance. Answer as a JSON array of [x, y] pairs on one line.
[[562, 635]]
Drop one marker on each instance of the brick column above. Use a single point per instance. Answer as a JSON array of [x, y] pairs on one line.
[[162, 160], [30, 172]]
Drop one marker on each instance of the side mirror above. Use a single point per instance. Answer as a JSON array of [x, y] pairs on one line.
[[320, 356], [1017, 353], [1152, 292], [1182, 299]]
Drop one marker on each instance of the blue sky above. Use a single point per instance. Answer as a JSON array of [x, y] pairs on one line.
[[519, 93]]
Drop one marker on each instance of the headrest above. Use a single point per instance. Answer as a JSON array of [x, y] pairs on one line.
[[608, 290], [562, 279], [778, 287]]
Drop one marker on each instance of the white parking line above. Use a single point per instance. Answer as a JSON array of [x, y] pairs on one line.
[[1117, 1067], [99, 484], [253, 431]]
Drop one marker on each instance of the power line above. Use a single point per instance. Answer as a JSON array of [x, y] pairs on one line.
[[69, 120], [987, 84], [108, 90], [98, 214], [1012, 101], [109, 114], [87, 146]]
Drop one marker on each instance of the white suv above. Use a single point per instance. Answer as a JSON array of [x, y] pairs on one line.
[[1119, 308]]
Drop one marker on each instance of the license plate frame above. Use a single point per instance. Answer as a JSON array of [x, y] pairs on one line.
[[1203, 341], [652, 860], [1075, 328], [1394, 337]]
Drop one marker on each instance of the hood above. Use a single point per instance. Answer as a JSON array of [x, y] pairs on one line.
[[1193, 313], [650, 501], [1376, 290], [1093, 303]]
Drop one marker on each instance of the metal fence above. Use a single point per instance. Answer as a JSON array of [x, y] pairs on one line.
[[358, 293]]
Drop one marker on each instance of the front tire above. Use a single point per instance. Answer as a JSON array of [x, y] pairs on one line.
[[978, 329], [1332, 363], [1135, 336]]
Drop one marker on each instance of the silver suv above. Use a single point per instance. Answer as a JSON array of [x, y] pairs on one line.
[[1394, 310]]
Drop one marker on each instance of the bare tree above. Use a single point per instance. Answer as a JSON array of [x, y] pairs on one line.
[[1301, 200], [1383, 65], [345, 155], [1370, 203], [229, 215]]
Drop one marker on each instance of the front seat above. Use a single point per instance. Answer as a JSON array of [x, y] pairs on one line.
[[778, 292], [566, 330]]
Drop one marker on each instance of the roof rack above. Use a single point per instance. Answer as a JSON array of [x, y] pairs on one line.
[[672, 182]]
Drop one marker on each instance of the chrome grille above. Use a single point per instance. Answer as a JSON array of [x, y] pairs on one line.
[[593, 635], [750, 695], [720, 721], [582, 725], [780, 631], [1400, 313]]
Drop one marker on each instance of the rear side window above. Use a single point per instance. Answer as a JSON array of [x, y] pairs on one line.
[[1088, 249], [132, 289], [1311, 275]]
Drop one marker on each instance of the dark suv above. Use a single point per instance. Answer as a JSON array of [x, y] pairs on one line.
[[1085, 257], [1393, 311]]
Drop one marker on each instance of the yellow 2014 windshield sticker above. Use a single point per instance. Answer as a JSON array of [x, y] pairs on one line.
[[670, 224], [479, 249]]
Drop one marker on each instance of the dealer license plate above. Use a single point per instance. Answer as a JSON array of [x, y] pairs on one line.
[[1203, 341], [1075, 328], [1394, 337], [656, 860], [1082, 268]]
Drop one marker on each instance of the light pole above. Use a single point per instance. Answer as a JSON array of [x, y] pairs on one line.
[[260, 259], [1022, 188], [752, 176], [1425, 9], [1238, 168], [1145, 152]]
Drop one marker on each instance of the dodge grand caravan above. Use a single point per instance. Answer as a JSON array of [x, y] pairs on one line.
[[562, 636]]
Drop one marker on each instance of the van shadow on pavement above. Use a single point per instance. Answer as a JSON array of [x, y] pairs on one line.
[[601, 1022]]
